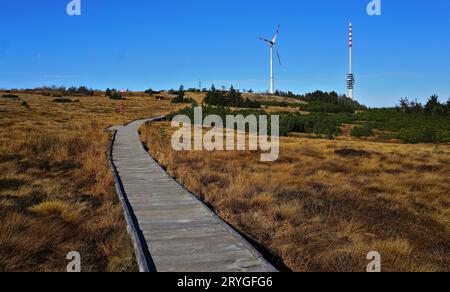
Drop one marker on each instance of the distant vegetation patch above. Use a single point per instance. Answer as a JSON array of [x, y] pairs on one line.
[[55, 91], [65, 100], [151, 92], [117, 97], [324, 102], [414, 127], [281, 104], [113, 94], [362, 131], [324, 107], [423, 135], [10, 184], [181, 97], [11, 96], [213, 110], [424, 126], [318, 124], [346, 152], [230, 98]]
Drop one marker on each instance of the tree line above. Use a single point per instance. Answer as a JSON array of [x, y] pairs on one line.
[[433, 107], [67, 91], [229, 98]]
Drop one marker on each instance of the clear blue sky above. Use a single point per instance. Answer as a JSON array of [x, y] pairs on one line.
[[142, 44]]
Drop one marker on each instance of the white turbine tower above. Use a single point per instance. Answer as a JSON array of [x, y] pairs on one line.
[[272, 43]]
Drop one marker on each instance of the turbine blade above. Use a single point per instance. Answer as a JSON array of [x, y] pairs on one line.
[[266, 40], [274, 40], [279, 59]]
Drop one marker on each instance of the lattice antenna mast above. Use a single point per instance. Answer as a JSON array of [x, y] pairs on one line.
[[350, 76]]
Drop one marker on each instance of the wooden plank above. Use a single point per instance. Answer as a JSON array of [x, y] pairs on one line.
[[176, 230]]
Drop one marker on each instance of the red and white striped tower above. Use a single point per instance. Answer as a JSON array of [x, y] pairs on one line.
[[350, 77]]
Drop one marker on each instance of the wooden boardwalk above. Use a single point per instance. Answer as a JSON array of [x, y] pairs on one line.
[[172, 230]]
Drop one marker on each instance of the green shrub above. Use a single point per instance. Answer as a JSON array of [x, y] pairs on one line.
[[362, 131], [319, 124], [25, 104], [151, 92], [393, 120], [113, 94], [181, 99], [178, 100], [116, 96], [424, 135]]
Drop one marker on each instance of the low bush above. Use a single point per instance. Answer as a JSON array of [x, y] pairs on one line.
[[319, 124], [116, 96], [181, 99], [151, 92], [362, 131], [423, 135], [184, 100], [113, 94]]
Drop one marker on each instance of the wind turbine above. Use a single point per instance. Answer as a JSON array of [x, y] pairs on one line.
[[272, 43]]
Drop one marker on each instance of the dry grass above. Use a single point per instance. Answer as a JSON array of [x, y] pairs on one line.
[[264, 97], [277, 109], [57, 191], [324, 205]]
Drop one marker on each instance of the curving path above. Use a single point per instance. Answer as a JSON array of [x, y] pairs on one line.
[[172, 230]]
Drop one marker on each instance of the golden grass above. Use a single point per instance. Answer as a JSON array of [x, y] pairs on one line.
[[265, 97], [324, 205], [57, 191], [58, 209]]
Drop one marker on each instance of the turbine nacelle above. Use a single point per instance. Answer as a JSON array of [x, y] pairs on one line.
[[272, 42]]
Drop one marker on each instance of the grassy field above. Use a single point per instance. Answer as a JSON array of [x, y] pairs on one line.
[[321, 207], [56, 189], [325, 204]]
